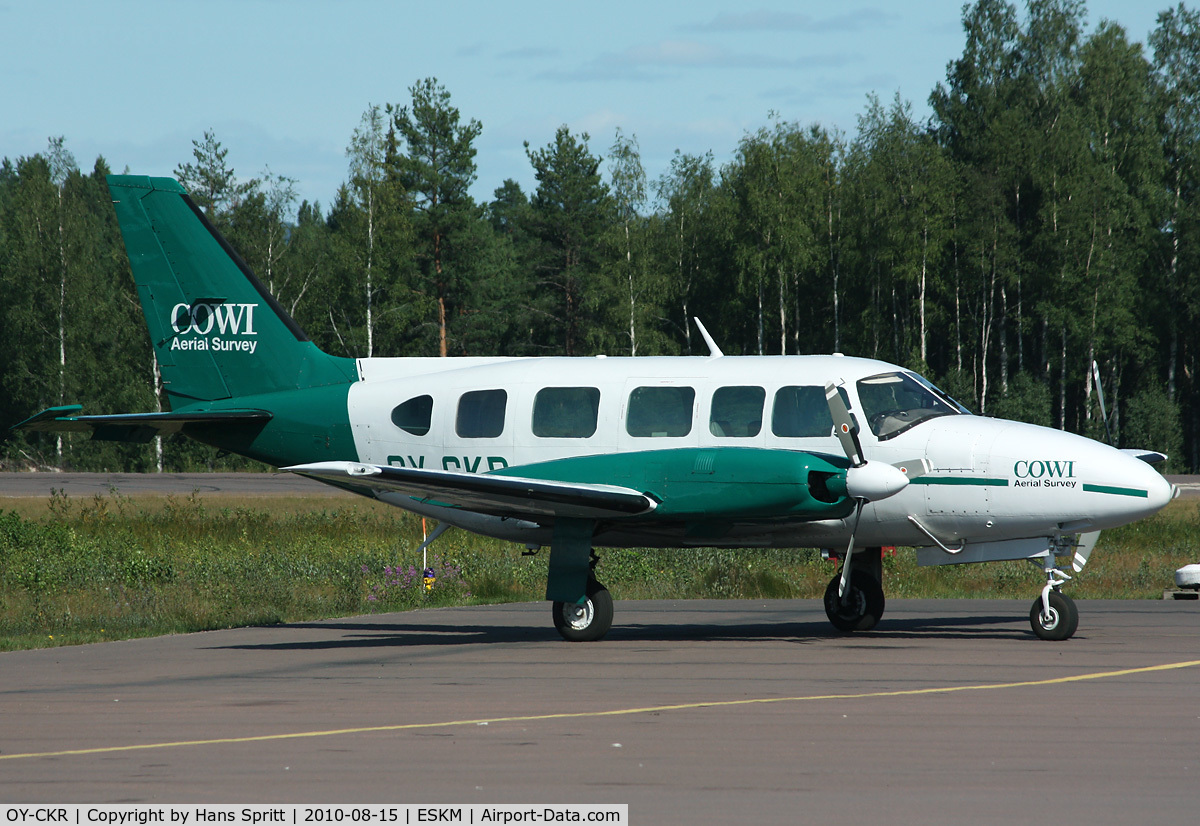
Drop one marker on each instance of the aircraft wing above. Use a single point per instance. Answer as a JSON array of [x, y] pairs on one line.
[[133, 427], [511, 496]]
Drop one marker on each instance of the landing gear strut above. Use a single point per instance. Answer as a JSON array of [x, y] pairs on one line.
[[582, 607], [862, 606]]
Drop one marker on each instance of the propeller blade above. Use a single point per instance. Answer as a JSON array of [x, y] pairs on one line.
[[849, 552], [844, 426], [1087, 543], [1100, 398], [913, 467]]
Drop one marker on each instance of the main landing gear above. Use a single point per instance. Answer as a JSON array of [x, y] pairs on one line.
[[585, 621], [862, 606], [572, 569]]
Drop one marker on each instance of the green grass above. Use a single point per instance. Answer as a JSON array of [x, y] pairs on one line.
[[111, 567]]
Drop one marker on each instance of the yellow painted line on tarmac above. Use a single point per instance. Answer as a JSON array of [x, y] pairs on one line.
[[621, 712]]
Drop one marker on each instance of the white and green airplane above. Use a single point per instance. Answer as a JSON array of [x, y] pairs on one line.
[[585, 453]]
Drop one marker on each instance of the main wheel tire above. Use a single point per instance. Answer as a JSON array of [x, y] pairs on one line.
[[587, 621], [1062, 622], [865, 607]]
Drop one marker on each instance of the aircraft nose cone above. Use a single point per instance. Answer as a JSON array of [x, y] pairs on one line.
[[1159, 491], [1140, 487]]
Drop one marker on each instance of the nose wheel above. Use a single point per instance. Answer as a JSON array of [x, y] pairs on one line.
[[1057, 619], [1054, 615]]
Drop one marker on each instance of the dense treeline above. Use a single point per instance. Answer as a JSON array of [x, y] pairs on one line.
[[1047, 216]]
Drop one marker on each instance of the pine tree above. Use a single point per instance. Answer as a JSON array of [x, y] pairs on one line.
[[431, 155], [571, 210]]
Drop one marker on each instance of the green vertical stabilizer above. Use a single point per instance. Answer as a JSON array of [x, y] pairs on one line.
[[216, 330]]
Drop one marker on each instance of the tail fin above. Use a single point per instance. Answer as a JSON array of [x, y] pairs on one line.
[[218, 333]]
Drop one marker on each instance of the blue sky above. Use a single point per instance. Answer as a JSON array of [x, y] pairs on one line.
[[284, 84]]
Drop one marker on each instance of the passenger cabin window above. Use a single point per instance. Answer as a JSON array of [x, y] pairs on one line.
[[414, 415], [802, 412], [565, 412], [660, 411], [481, 414], [736, 412]]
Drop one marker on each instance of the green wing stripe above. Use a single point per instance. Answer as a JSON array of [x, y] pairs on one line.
[[1141, 494]]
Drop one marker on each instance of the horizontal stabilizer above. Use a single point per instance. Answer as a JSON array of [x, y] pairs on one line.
[[514, 496], [134, 427]]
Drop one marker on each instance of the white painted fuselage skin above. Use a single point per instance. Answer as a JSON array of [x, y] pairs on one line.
[[990, 481]]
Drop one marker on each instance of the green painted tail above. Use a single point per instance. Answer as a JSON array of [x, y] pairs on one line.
[[216, 330]]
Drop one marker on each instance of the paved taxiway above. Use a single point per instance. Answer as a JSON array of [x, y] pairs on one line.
[[690, 712]]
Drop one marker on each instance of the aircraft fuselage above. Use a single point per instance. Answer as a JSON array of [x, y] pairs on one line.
[[989, 480]]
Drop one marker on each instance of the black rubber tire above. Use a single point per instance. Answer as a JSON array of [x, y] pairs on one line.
[[1063, 620], [866, 603], [587, 622]]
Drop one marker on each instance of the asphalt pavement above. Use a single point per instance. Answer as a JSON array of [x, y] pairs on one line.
[[699, 712]]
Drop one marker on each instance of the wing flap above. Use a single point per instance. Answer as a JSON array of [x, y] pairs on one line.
[[513, 496]]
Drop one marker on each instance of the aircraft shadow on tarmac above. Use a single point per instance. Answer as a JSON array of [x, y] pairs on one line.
[[415, 634]]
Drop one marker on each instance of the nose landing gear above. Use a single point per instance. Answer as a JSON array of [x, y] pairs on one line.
[[1054, 615]]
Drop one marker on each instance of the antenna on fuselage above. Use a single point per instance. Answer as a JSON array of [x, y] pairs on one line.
[[713, 350]]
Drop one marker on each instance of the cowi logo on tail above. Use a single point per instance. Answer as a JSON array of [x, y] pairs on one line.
[[210, 326]]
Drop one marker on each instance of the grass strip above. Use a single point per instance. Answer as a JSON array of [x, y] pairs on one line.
[[115, 567]]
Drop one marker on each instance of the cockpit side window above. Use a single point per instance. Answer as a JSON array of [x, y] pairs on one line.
[[942, 394], [894, 402]]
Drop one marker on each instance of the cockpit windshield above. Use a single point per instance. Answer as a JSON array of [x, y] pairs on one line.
[[894, 402]]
